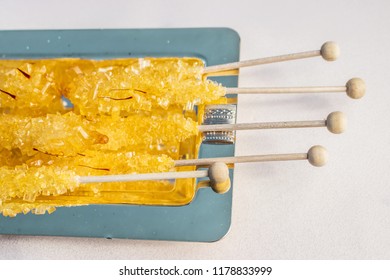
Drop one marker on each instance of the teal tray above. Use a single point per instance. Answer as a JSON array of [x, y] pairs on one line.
[[207, 218]]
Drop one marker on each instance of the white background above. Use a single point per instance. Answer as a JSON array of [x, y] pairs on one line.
[[281, 210]]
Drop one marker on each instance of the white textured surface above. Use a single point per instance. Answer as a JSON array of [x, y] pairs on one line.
[[281, 210]]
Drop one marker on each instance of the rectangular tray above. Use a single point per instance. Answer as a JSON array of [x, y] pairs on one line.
[[207, 218]]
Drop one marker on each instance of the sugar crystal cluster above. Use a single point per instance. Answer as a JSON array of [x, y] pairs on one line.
[[128, 116], [125, 85], [29, 88]]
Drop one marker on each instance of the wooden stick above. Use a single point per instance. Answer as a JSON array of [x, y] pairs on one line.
[[277, 90], [354, 88], [259, 61], [329, 51], [218, 173], [142, 177], [316, 155], [335, 122], [264, 125], [241, 159], [190, 174]]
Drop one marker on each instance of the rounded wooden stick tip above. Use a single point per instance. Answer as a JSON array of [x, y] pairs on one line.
[[330, 51], [317, 156], [219, 177], [336, 122], [356, 88]]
